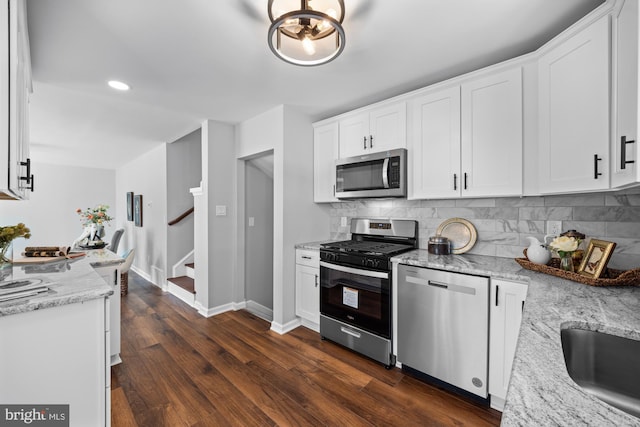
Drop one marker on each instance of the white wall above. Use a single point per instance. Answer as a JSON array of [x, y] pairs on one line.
[[50, 212], [145, 175], [297, 218], [184, 171], [259, 236]]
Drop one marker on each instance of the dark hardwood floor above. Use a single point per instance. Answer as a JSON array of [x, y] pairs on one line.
[[180, 369]]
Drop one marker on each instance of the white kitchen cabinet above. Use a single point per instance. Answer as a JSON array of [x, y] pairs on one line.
[[111, 275], [506, 304], [574, 112], [325, 153], [624, 153], [308, 288], [59, 355], [373, 130], [467, 140], [15, 86]]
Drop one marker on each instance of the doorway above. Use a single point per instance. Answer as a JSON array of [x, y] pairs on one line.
[[258, 266]]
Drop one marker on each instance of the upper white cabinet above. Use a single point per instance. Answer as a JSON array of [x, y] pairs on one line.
[[467, 140], [492, 135], [325, 153], [507, 302], [624, 152], [15, 86], [373, 130], [574, 112]]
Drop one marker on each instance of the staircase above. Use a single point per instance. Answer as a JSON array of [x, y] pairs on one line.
[[183, 287]]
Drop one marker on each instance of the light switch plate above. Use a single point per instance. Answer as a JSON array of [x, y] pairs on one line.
[[343, 221], [252, 221], [221, 210]]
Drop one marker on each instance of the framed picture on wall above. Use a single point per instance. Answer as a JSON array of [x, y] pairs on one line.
[[137, 210], [130, 206], [596, 259]]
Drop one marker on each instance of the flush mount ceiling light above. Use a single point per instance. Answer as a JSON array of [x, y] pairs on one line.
[[306, 32], [118, 85]]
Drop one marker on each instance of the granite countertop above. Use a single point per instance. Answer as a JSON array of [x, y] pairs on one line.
[[71, 281], [541, 391], [312, 246]]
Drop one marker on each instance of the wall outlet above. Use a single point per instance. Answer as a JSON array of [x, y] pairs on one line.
[[221, 210], [554, 227], [252, 221], [343, 221]]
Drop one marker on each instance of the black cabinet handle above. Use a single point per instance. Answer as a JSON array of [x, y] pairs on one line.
[[623, 152], [497, 291], [455, 181], [596, 159], [28, 165], [370, 141], [316, 280], [364, 143], [465, 180]]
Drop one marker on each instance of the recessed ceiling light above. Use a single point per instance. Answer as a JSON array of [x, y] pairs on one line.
[[118, 85]]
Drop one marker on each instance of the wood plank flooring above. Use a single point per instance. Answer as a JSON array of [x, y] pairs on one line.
[[180, 369]]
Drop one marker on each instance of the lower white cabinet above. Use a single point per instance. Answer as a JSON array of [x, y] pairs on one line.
[[111, 275], [308, 288], [506, 304], [59, 355]]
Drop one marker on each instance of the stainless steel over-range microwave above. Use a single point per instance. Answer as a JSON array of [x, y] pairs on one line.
[[382, 174]]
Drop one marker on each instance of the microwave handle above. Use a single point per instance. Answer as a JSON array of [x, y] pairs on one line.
[[385, 173]]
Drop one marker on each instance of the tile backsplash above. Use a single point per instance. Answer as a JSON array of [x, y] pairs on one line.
[[504, 223]]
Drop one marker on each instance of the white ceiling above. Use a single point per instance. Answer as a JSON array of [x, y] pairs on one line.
[[191, 60]]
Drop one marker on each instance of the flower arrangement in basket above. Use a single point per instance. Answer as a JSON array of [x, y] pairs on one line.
[[93, 220], [7, 234], [565, 246]]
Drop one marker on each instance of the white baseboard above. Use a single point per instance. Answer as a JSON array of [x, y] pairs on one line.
[[260, 310], [497, 403], [287, 327], [146, 277], [208, 312], [181, 294], [311, 325]]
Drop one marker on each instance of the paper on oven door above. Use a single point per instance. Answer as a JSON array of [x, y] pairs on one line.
[[350, 297]]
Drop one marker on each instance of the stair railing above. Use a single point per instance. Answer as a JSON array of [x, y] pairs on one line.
[[182, 216]]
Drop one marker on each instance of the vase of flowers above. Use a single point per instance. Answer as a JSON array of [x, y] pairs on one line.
[[565, 246], [7, 234], [93, 221]]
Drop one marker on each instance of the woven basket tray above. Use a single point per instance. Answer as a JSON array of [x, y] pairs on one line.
[[610, 277]]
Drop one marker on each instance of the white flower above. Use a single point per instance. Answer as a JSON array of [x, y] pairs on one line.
[[564, 244]]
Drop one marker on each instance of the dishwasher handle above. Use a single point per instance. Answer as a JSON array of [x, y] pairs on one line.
[[451, 287], [437, 284]]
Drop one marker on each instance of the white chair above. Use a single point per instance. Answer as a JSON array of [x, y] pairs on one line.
[[124, 271]]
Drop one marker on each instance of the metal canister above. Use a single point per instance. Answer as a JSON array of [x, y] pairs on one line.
[[439, 245]]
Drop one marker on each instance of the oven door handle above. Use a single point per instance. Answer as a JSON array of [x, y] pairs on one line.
[[356, 271]]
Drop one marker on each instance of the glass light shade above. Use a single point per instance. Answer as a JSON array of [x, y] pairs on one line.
[[307, 36]]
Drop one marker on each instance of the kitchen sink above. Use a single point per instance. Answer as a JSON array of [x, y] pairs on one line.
[[604, 365]]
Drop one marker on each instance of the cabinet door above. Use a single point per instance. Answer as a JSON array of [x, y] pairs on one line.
[[308, 293], [574, 113], [492, 135], [354, 135], [435, 147], [325, 153], [507, 302], [626, 96], [388, 128]]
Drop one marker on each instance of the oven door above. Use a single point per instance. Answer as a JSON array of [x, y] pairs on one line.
[[357, 297]]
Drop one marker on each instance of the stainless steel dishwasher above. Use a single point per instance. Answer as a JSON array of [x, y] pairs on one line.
[[443, 326]]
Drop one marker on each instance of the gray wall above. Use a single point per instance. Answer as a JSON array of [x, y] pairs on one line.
[[259, 237], [504, 223], [184, 171]]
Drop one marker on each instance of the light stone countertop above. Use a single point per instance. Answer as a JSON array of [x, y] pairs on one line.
[[541, 393], [312, 246], [72, 281]]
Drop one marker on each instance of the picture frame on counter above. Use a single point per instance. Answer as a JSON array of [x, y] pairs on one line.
[[596, 258], [130, 206]]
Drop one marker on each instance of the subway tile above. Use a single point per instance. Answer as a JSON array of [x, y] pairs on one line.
[[393, 212], [509, 251], [624, 261], [482, 248], [622, 229], [499, 238], [437, 203], [626, 246], [483, 203], [546, 213], [607, 213], [485, 224], [514, 226], [588, 228], [518, 202], [617, 199], [596, 199], [479, 213]]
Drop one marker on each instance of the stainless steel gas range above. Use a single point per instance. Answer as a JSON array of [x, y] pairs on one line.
[[355, 291]]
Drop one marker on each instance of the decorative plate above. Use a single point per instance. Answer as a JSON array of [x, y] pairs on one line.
[[460, 232]]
